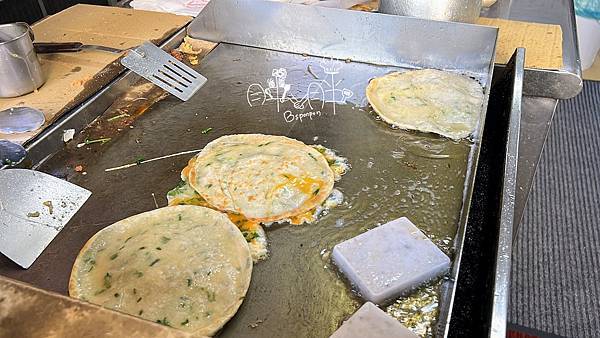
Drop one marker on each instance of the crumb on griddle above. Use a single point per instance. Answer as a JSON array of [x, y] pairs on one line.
[[50, 207], [255, 324], [177, 54]]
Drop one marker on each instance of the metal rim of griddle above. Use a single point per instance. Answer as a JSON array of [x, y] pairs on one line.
[[51, 141], [504, 254]]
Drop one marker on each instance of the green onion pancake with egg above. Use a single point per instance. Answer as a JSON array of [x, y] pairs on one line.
[[281, 179], [188, 267], [265, 178]]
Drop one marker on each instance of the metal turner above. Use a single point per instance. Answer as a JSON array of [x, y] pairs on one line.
[[146, 60], [34, 208], [160, 68]]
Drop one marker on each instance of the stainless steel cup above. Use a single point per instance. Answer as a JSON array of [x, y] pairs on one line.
[[443, 10], [20, 69]]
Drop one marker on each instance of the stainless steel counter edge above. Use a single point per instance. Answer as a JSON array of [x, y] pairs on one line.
[[352, 35], [507, 208], [558, 84], [551, 84]]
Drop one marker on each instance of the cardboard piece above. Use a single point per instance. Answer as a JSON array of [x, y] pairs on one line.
[[29, 312], [543, 42], [73, 77]]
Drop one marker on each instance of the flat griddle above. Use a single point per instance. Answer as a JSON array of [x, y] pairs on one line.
[[296, 292]]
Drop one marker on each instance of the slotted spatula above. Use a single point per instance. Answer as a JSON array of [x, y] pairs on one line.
[[34, 208], [160, 68]]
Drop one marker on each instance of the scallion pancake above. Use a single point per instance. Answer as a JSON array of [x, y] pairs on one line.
[[254, 234], [262, 177], [428, 100], [188, 267]]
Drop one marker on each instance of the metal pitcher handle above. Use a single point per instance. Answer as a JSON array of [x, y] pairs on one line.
[[29, 30]]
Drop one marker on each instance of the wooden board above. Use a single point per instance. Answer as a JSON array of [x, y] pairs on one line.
[[543, 43], [29, 312], [73, 77]]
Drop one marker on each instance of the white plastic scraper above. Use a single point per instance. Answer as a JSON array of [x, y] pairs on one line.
[[390, 260], [34, 208], [370, 321]]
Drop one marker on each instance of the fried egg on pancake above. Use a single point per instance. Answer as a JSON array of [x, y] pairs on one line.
[[265, 178], [254, 234], [187, 267], [428, 100]]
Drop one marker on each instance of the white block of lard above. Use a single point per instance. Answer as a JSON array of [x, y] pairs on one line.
[[390, 260], [370, 321]]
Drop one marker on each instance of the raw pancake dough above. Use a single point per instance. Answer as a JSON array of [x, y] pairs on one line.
[[188, 267]]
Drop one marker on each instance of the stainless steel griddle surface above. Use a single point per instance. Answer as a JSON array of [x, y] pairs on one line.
[[296, 292]]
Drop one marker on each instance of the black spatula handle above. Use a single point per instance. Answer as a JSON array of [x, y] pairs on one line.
[[57, 47]]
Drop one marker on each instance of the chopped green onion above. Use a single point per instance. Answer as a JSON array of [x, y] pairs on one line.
[[265, 144], [88, 141], [249, 235], [117, 117], [92, 263], [107, 280], [211, 296], [163, 321]]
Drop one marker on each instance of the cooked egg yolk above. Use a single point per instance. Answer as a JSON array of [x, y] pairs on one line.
[[239, 220], [307, 185]]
